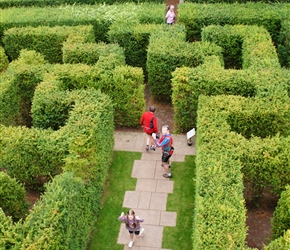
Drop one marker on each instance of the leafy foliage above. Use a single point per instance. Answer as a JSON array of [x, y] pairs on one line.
[[12, 197]]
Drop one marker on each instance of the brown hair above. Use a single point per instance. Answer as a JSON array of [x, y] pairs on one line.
[[130, 212]]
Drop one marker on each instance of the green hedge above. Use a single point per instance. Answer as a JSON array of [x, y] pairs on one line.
[[12, 196], [266, 160], [243, 46], [284, 44], [134, 38], [270, 16], [261, 77], [167, 50], [30, 3], [3, 60], [123, 84], [55, 222], [31, 156], [101, 16], [281, 243], [220, 215], [61, 219], [90, 53], [17, 88], [197, 16], [233, 1], [45, 40], [226, 160], [281, 222]]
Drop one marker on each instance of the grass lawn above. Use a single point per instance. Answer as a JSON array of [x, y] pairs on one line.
[[107, 228], [182, 202]]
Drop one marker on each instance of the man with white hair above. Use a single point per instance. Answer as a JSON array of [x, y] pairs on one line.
[[166, 142]]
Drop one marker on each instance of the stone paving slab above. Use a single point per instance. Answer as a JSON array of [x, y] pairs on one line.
[[151, 217], [136, 142], [144, 248], [148, 185], [158, 201], [144, 169], [168, 219], [149, 156], [152, 237], [156, 156], [159, 171], [144, 200], [131, 199], [164, 186], [177, 157]]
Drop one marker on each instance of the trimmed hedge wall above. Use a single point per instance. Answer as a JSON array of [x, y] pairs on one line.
[[55, 221], [284, 43], [17, 88], [101, 16], [220, 215], [12, 196], [226, 159], [234, 1], [45, 40], [262, 75], [45, 3], [281, 217], [123, 84], [134, 38], [3, 60], [197, 16], [167, 50], [90, 53], [281, 243], [61, 219]]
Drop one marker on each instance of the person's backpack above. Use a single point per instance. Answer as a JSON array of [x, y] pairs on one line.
[[171, 147], [151, 122]]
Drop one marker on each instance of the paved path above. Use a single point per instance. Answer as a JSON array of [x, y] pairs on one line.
[[150, 196]]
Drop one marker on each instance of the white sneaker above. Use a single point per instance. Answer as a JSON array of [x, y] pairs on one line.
[[131, 243], [142, 232]]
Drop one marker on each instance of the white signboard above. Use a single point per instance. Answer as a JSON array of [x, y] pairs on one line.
[[190, 133]]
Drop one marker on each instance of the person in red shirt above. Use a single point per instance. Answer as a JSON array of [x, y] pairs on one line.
[[149, 123]]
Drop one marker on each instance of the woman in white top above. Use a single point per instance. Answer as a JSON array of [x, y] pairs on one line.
[[170, 15]]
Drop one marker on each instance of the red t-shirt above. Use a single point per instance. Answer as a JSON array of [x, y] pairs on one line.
[[145, 122]]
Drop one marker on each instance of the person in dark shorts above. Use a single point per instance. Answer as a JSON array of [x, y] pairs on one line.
[[149, 123], [166, 142], [132, 223]]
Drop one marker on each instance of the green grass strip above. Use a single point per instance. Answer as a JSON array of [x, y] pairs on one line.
[[182, 202], [107, 228]]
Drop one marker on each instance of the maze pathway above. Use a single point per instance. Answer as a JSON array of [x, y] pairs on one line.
[[149, 198]]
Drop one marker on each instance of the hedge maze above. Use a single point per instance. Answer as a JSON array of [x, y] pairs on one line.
[[71, 74]]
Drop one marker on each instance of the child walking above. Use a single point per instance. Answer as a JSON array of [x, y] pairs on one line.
[[132, 223]]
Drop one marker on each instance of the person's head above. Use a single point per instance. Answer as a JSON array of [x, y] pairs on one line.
[[152, 109], [165, 129], [131, 214], [172, 7]]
